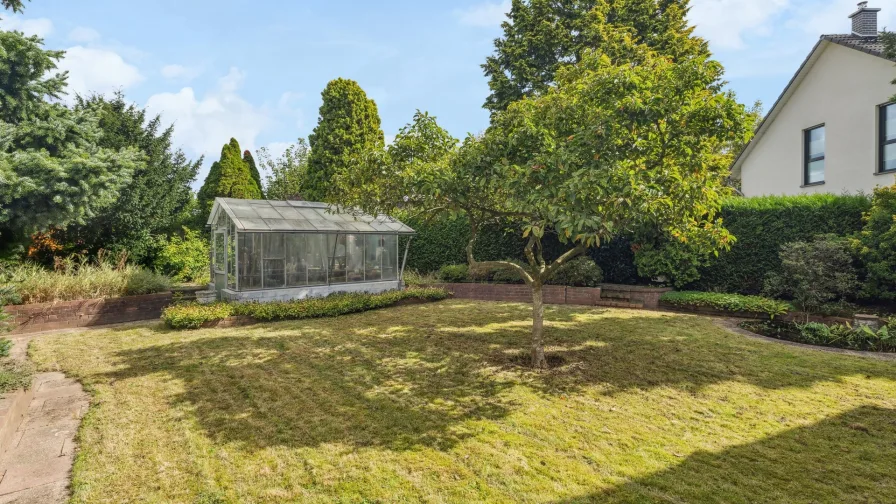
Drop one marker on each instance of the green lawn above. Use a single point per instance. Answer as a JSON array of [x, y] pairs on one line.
[[427, 403]]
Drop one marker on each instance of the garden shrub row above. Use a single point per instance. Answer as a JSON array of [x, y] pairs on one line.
[[727, 302], [193, 315], [580, 272], [845, 336], [761, 225]]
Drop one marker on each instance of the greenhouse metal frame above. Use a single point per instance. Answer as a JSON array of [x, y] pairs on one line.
[[279, 250]]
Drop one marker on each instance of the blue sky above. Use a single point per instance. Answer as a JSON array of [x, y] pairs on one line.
[[255, 70]]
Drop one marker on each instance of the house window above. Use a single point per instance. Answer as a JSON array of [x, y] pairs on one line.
[[887, 138], [814, 146]]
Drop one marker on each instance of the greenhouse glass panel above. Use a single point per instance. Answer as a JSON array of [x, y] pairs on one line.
[[296, 270], [274, 265], [220, 251], [231, 256], [373, 255], [316, 249], [336, 258], [390, 257], [249, 252], [354, 257]]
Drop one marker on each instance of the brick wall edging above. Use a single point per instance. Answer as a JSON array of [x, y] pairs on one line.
[[86, 312]]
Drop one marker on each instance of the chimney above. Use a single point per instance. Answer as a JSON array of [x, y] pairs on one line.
[[864, 21]]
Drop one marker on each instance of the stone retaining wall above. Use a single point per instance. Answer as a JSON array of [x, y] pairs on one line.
[[86, 312]]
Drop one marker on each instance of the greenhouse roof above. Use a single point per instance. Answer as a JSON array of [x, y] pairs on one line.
[[304, 216]]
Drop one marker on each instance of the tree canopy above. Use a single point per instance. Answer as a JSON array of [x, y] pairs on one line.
[[228, 177], [287, 172], [349, 125], [53, 171], [253, 169], [628, 139], [155, 200], [541, 36]]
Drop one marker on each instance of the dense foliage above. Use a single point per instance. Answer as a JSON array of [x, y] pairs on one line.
[[875, 246], [53, 170], [186, 258], [580, 272], [628, 139], [78, 277], [762, 225], [726, 302], [814, 273], [253, 170], [846, 336], [192, 316], [157, 199], [229, 177], [542, 36], [349, 125], [888, 39], [287, 172]]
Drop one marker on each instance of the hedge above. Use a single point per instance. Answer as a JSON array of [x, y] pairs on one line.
[[193, 315], [761, 225], [727, 302]]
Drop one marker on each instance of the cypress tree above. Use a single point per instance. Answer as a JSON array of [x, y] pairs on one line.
[[349, 124], [228, 177], [253, 170]]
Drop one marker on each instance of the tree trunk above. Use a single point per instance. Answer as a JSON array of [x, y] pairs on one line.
[[538, 360]]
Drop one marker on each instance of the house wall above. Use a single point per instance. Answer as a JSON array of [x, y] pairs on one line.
[[306, 292], [843, 90]]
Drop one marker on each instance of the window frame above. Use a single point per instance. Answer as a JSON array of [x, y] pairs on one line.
[[808, 159], [882, 141]]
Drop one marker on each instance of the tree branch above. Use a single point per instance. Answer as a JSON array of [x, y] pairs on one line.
[[474, 232]]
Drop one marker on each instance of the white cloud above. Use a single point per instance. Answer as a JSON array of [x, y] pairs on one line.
[[486, 15], [95, 70], [38, 26], [203, 125], [725, 22], [180, 72], [83, 35]]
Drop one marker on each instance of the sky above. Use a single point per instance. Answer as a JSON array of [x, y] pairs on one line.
[[255, 70]]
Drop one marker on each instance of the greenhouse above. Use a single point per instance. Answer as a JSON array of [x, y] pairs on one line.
[[280, 250]]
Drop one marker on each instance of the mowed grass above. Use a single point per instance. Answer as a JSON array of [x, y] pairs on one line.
[[428, 403]]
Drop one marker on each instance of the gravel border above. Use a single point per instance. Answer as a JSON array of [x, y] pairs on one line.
[[732, 325]]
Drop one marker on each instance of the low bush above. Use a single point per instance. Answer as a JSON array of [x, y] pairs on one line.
[[5, 347], [454, 273], [580, 272], [77, 277], [192, 316], [185, 259], [875, 245], [814, 273], [838, 335], [413, 278], [727, 302]]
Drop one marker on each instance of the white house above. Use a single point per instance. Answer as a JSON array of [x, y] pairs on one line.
[[833, 129]]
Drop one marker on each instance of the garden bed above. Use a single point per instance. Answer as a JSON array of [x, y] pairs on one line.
[[845, 336]]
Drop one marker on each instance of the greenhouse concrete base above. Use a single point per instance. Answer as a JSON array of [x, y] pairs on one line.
[[307, 292]]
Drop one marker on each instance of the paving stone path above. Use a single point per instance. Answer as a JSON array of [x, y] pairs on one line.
[[37, 467]]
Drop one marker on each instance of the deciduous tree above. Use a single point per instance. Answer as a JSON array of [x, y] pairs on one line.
[[349, 124], [629, 138], [287, 172], [541, 36]]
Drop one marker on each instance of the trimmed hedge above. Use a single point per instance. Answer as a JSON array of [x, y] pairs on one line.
[[727, 302], [193, 315], [761, 225]]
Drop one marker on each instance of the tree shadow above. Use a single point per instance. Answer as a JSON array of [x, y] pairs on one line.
[[845, 458], [415, 376]]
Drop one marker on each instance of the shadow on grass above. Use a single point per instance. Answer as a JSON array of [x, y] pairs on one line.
[[845, 458], [414, 376]]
